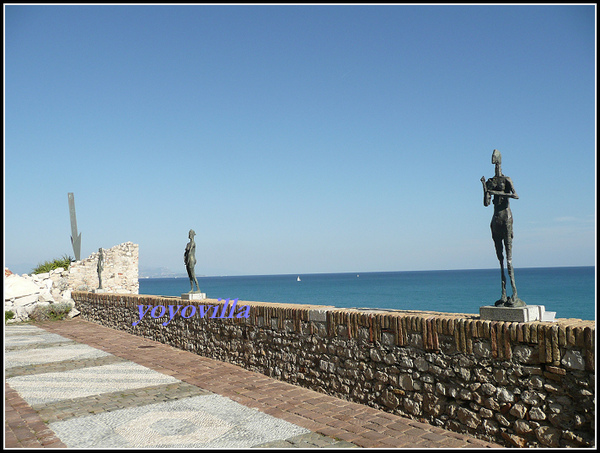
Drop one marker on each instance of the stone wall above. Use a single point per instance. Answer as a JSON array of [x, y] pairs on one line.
[[518, 384], [120, 274]]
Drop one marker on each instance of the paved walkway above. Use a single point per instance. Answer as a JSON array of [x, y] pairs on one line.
[[76, 384]]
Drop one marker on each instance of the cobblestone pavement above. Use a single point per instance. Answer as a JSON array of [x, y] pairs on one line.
[[76, 384]]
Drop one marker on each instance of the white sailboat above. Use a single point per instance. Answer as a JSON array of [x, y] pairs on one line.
[[298, 279]]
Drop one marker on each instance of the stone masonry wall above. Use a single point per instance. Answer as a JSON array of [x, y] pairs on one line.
[[120, 274], [518, 384]]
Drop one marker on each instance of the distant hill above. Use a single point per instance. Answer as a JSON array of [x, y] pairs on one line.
[[159, 272]]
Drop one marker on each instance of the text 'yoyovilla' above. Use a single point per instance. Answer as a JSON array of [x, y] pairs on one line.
[[158, 311]]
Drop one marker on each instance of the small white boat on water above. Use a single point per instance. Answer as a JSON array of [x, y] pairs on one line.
[[298, 279]]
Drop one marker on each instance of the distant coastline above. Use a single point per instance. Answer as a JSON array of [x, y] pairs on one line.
[[159, 272], [162, 276]]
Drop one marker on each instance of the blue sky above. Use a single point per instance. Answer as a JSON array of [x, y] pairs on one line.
[[299, 139]]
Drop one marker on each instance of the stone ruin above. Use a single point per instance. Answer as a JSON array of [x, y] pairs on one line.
[[23, 293]]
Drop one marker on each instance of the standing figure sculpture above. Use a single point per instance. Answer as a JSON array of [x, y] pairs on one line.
[[189, 258], [502, 188], [100, 267]]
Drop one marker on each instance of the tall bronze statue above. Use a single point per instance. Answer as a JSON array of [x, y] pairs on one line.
[[502, 188], [189, 257], [100, 267]]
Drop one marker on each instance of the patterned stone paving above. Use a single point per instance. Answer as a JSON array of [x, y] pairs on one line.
[[50, 354], [209, 421], [20, 329], [81, 397], [14, 342], [47, 387], [107, 402], [64, 365]]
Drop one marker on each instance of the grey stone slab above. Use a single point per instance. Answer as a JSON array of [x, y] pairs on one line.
[[512, 314], [193, 296], [317, 315], [548, 316]]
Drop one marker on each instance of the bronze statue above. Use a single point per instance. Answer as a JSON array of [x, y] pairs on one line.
[[189, 258], [100, 267], [502, 188]]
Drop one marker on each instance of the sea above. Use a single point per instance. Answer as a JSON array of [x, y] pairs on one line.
[[568, 291]]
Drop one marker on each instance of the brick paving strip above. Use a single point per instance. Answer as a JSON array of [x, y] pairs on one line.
[[23, 427], [328, 416]]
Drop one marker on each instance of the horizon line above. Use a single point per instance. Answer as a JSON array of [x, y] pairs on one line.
[[367, 272]]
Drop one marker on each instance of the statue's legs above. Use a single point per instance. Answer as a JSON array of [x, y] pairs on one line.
[[509, 266], [499, 254], [514, 301], [191, 276]]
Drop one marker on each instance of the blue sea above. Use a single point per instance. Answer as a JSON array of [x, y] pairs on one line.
[[568, 291]]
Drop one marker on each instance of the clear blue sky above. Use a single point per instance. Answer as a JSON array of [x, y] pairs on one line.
[[299, 139]]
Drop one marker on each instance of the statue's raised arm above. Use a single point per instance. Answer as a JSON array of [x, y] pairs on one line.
[[487, 196]]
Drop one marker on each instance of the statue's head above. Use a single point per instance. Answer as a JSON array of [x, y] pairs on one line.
[[191, 234], [496, 157]]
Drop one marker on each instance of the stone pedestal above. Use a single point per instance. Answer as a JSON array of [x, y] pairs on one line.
[[193, 296], [516, 314]]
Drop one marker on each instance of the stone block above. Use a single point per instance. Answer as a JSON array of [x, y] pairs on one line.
[[46, 296], [515, 314], [193, 296], [317, 315], [548, 315], [16, 287], [26, 300]]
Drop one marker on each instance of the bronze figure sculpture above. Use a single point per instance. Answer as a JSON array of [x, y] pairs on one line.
[[100, 267], [189, 257], [502, 188]]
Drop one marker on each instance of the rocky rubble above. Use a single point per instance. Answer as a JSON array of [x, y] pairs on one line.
[[23, 293]]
